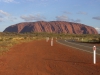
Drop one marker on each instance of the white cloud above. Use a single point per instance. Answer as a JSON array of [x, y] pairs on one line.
[[83, 13], [27, 18], [62, 18], [30, 0], [97, 18], [76, 21], [33, 18], [65, 18], [1, 19], [65, 12], [7, 1], [4, 13], [98, 29], [12, 18], [6, 16]]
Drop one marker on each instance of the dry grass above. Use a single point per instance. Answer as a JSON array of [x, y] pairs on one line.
[[7, 42]]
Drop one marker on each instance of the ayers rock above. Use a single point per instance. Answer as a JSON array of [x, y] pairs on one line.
[[51, 27]]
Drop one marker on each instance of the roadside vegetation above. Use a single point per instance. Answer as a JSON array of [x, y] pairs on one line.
[[7, 40]]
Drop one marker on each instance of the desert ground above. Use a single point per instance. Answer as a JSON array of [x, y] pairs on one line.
[[38, 57]]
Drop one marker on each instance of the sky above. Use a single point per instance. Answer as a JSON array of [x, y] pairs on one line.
[[79, 11]]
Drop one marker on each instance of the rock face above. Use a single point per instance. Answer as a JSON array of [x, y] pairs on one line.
[[52, 27]]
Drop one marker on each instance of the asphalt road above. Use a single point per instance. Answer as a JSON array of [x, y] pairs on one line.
[[80, 46]]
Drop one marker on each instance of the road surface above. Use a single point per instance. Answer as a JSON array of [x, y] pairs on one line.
[[38, 57], [80, 46]]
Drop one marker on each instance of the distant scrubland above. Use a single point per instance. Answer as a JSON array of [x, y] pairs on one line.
[[7, 40]]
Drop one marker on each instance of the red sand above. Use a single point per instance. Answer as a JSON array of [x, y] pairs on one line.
[[39, 58]]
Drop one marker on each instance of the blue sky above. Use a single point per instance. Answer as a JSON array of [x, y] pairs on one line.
[[80, 11]]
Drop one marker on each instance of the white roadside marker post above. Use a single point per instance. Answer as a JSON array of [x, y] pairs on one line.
[[47, 39], [94, 54], [51, 41]]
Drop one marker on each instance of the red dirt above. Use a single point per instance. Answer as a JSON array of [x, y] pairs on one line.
[[39, 58]]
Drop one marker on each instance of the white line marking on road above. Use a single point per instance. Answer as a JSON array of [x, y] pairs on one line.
[[80, 45], [77, 48]]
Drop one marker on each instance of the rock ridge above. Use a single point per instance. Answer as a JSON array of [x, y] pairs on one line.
[[51, 27]]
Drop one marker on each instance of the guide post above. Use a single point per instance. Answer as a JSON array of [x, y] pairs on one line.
[[94, 54], [47, 39], [51, 41]]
